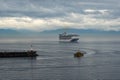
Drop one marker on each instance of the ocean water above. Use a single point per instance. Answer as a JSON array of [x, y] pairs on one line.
[[56, 61]]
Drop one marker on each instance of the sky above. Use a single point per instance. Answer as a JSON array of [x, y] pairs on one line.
[[42, 15]]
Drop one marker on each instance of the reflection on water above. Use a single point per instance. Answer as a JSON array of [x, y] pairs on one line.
[[56, 61]]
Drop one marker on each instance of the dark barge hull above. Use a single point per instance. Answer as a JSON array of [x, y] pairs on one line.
[[18, 54]]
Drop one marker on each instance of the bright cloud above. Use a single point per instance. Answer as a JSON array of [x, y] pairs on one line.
[[72, 20], [104, 11]]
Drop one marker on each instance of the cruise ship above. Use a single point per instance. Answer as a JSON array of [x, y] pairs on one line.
[[64, 37]]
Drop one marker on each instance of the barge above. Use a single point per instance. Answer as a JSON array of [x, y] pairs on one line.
[[29, 53]]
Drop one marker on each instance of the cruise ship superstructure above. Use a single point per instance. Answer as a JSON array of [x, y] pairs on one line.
[[64, 37]]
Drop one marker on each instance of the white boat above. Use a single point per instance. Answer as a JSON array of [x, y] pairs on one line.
[[64, 37]]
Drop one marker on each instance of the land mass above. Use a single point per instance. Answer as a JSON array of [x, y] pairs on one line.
[[10, 32]]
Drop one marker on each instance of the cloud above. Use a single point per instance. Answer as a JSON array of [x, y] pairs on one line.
[[40, 15], [104, 11], [72, 20]]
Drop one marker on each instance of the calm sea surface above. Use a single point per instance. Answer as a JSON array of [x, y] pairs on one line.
[[56, 61]]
